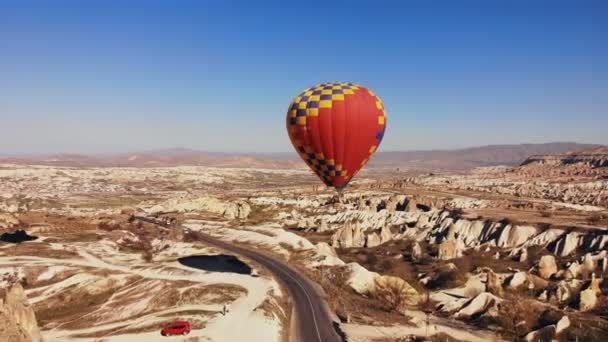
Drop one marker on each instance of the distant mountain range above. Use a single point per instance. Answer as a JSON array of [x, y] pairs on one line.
[[458, 159], [467, 158], [593, 158]]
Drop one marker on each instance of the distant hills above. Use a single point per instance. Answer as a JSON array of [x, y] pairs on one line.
[[467, 158], [159, 158], [593, 158], [458, 159]]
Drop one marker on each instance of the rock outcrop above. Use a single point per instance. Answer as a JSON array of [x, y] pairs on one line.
[[588, 298], [360, 279], [493, 283], [518, 281], [366, 282], [416, 251], [8, 221], [230, 209], [326, 256], [449, 250], [373, 240], [594, 158], [545, 333], [17, 318], [473, 287], [394, 219], [396, 286], [481, 304], [573, 270], [539, 177], [562, 324], [352, 234], [343, 238], [547, 266], [522, 280], [237, 210]]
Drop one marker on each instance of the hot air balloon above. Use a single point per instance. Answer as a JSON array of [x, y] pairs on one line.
[[336, 127]]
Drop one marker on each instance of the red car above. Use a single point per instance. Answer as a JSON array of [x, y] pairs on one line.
[[176, 328]]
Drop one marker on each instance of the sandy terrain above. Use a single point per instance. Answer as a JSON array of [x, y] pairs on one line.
[[105, 261]]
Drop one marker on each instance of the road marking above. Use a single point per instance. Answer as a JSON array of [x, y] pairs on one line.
[[314, 319], [240, 250], [279, 267]]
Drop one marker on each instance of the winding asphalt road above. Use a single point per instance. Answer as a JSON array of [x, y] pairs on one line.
[[311, 320]]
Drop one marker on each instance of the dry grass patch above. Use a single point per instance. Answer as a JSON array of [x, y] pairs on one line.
[[261, 231], [197, 324], [269, 309], [39, 249], [32, 274], [395, 293], [189, 313], [68, 308], [172, 296], [222, 293], [344, 301], [260, 214]]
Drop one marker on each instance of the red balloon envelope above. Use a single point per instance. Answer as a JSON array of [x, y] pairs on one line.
[[336, 127]]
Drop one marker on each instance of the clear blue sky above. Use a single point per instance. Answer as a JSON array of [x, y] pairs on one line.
[[107, 76]]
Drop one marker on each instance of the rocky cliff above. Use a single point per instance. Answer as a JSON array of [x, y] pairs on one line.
[[369, 222], [593, 158], [17, 318]]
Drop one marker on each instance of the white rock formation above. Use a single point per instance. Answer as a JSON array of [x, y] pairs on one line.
[[230, 209], [410, 296], [360, 279], [8, 221], [365, 282], [567, 290], [573, 270], [562, 324], [373, 240], [343, 238], [515, 235], [589, 263], [323, 227], [536, 335], [547, 266], [385, 234], [474, 287], [588, 300], [326, 256], [380, 213], [237, 210], [449, 250], [493, 283], [478, 305], [17, 318], [416, 251], [306, 223], [518, 280], [325, 249], [523, 257]]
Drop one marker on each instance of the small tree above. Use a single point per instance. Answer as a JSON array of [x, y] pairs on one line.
[[395, 293]]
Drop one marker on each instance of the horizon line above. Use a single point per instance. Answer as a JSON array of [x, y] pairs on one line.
[[187, 149]]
